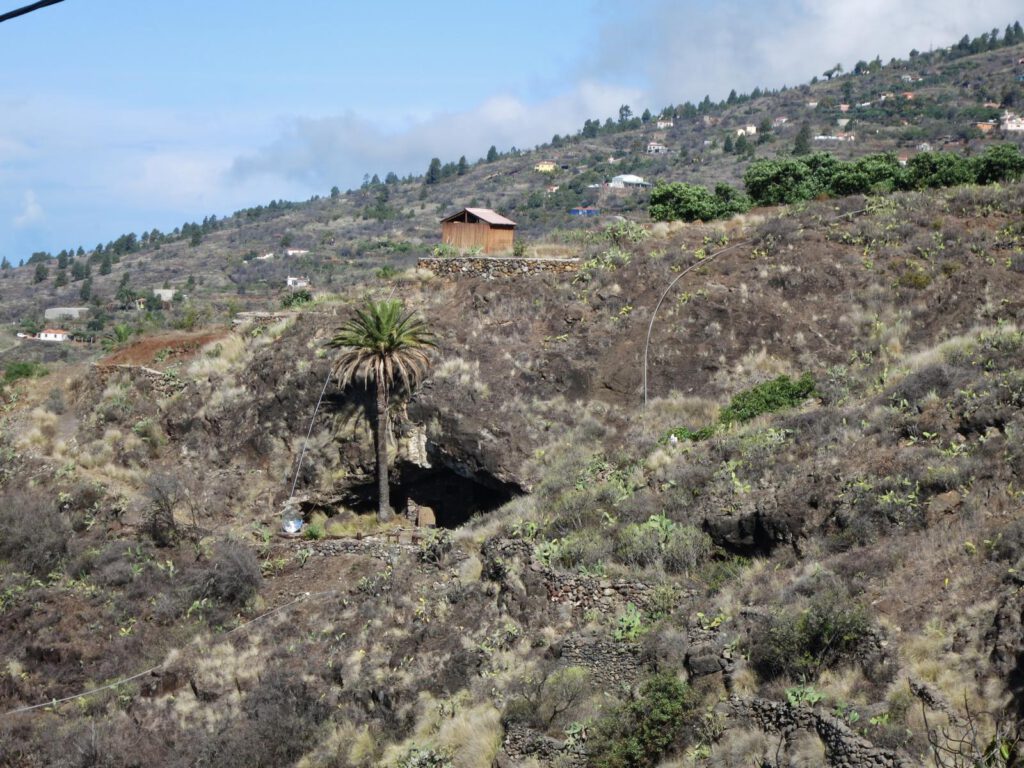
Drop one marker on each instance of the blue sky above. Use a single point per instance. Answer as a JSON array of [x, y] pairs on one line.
[[121, 115]]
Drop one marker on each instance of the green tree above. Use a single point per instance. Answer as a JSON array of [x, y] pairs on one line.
[[106, 265], [462, 167], [387, 344], [85, 292], [728, 146], [335, 193], [433, 171], [492, 154], [5, 264], [41, 272], [802, 143]]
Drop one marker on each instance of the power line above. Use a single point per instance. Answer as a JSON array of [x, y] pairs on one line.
[[28, 9]]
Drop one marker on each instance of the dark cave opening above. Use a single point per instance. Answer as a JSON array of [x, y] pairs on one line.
[[450, 497]]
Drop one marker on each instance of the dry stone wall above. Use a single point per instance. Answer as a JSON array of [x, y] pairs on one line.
[[491, 267]]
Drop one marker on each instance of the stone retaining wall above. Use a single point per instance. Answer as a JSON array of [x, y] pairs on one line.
[[490, 267], [158, 382], [844, 748]]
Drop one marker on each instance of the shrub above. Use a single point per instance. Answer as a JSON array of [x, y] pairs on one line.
[[15, 371], [685, 548], [800, 644], [297, 298], [641, 732], [770, 396], [34, 534], [232, 575], [689, 202]]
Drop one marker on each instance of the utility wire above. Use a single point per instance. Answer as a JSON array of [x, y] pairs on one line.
[[143, 673], [702, 262], [28, 9]]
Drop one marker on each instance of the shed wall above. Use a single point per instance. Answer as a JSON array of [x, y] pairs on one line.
[[480, 234]]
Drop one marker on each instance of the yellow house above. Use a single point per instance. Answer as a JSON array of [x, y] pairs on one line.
[[545, 166]]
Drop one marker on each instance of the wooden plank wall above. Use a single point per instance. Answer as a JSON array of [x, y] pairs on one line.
[[465, 236]]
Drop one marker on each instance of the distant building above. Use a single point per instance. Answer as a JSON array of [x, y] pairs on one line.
[[296, 282], [545, 166], [654, 148], [478, 228], [552, 188], [65, 313], [985, 127], [1012, 122], [812, 105], [627, 180], [265, 256], [166, 295], [747, 130], [584, 211], [778, 122], [295, 252], [53, 334], [842, 122], [665, 124]]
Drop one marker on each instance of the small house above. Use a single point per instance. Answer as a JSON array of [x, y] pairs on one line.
[[1012, 122], [478, 228], [584, 211], [985, 127], [295, 283], [842, 122], [53, 334], [654, 148], [778, 122], [545, 166], [626, 181], [295, 251], [166, 295], [747, 130], [812, 105], [665, 125]]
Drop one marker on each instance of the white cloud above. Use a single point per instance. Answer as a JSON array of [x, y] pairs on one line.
[[689, 49], [31, 214], [324, 151]]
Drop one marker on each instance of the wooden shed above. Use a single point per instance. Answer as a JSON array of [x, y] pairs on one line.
[[478, 227]]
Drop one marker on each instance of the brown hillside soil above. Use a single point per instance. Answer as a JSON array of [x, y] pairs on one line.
[[179, 347]]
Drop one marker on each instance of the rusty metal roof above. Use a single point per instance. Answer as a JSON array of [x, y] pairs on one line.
[[484, 214]]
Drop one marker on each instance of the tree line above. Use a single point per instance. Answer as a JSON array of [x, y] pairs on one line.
[[784, 181]]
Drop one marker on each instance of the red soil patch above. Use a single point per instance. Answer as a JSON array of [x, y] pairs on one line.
[[166, 349]]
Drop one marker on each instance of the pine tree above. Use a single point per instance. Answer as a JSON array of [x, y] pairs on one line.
[[492, 154], [802, 144], [433, 171], [462, 167]]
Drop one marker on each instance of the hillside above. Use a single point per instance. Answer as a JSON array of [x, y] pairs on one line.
[[744, 492], [348, 237]]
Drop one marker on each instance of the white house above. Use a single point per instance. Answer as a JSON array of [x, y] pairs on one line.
[[665, 124], [265, 256], [295, 252], [842, 122], [166, 295], [1012, 122], [53, 334], [778, 122], [747, 130], [297, 282], [626, 180], [654, 148]]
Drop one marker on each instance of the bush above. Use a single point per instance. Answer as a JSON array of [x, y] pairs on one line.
[[641, 732], [297, 298], [800, 644], [34, 534], [689, 202], [15, 371], [770, 396], [232, 575]]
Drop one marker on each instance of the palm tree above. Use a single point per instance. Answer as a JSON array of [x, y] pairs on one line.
[[387, 344]]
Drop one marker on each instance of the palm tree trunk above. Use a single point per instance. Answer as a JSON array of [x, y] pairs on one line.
[[384, 511]]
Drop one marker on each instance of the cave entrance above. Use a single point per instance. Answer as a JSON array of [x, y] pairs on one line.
[[451, 497]]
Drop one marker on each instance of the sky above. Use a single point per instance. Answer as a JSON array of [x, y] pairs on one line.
[[120, 116]]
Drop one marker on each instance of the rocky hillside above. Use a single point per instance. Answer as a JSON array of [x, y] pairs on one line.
[[803, 550]]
